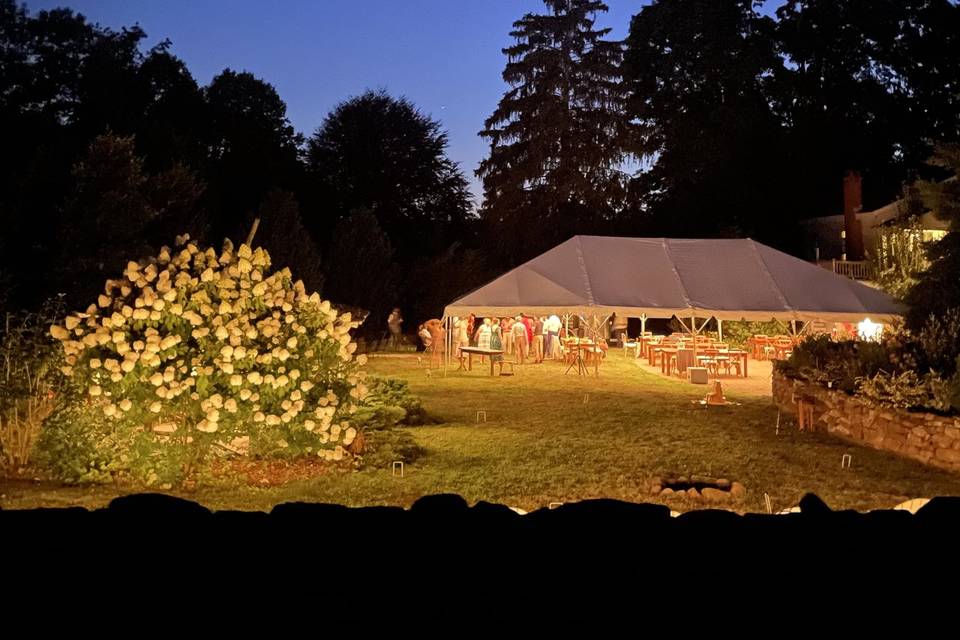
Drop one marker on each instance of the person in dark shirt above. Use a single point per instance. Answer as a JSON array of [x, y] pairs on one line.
[[538, 340]]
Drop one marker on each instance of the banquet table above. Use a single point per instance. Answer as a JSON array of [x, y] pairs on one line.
[[470, 351]]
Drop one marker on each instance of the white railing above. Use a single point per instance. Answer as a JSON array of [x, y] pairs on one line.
[[853, 269]]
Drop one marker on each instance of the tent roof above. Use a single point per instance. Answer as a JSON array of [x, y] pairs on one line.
[[662, 277]]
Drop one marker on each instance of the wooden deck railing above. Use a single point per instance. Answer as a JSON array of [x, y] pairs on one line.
[[854, 269]]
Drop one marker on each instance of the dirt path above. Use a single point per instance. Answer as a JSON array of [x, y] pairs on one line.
[[758, 384]]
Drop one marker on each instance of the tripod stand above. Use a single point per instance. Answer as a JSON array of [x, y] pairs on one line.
[[578, 362]]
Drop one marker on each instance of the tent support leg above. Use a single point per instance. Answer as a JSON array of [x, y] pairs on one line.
[[643, 324], [720, 329], [445, 325]]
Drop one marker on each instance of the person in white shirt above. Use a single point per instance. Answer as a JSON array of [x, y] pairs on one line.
[[483, 335], [551, 328], [425, 337]]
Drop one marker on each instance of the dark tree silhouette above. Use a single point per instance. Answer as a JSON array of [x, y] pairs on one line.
[[360, 269], [699, 76], [283, 235], [560, 134], [253, 149], [938, 288], [866, 89], [105, 219], [379, 153]]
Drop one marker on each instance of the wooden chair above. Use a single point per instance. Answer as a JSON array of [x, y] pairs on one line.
[[758, 342], [805, 414]]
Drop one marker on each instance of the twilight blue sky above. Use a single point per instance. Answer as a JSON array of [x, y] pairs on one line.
[[444, 55]]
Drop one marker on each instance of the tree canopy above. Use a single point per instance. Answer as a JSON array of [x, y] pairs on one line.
[[381, 154], [752, 121]]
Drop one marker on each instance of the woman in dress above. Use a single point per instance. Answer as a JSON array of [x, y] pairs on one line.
[[496, 342], [461, 335], [483, 335], [506, 331]]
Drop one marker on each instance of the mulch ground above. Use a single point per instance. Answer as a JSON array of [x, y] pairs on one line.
[[272, 473]]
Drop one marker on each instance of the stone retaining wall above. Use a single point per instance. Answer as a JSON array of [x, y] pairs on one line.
[[926, 437]]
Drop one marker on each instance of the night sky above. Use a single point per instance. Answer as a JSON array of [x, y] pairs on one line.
[[444, 55]]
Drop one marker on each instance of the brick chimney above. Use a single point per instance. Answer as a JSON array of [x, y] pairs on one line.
[[852, 204]]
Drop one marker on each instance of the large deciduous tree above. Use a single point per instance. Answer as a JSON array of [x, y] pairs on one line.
[[254, 148], [560, 135], [868, 90], [381, 154], [698, 72]]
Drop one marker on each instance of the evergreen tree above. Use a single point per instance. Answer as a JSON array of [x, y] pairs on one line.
[[105, 218], [560, 135], [117, 210], [938, 287], [282, 234], [360, 271]]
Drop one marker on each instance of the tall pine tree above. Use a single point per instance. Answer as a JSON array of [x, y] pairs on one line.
[[560, 135]]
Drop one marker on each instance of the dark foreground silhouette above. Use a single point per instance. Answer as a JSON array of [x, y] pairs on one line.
[[443, 550]]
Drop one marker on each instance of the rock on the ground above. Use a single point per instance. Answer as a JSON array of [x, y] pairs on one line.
[[693, 493], [715, 495], [667, 492], [737, 490]]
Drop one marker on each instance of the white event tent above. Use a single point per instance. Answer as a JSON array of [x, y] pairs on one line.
[[735, 279]]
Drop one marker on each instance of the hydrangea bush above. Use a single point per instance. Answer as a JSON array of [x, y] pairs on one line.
[[195, 349]]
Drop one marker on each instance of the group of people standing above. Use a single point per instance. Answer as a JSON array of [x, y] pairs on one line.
[[526, 337]]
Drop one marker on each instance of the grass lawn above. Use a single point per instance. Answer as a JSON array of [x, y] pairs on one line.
[[542, 443]]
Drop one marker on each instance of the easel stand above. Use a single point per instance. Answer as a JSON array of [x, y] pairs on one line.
[[578, 363]]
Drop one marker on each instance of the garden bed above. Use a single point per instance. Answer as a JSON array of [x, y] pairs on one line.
[[928, 437]]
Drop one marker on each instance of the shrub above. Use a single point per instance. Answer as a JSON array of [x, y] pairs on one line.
[[937, 344], [388, 403], [737, 333], [905, 390], [195, 349], [81, 444], [904, 370], [385, 446], [836, 364], [29, 380]]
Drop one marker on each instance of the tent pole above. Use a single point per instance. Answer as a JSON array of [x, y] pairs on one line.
[[446, 324], [720, 329], [643, 324], [693, 326]]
